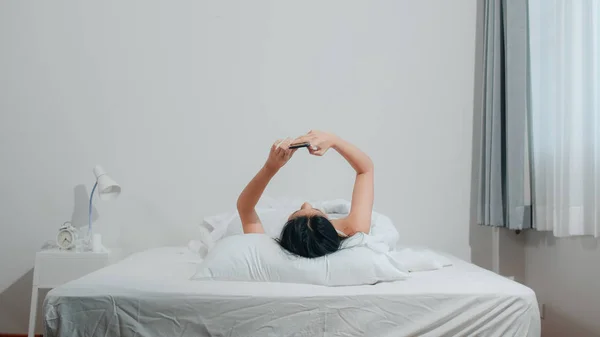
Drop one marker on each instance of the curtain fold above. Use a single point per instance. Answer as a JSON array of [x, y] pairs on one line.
[[504, 187]]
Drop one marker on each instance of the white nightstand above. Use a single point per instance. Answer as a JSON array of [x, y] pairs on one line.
[[56, 267]]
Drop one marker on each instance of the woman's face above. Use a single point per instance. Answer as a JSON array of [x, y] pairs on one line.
[[307, 210]]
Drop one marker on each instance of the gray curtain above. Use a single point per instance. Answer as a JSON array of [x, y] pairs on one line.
[[504, 187]]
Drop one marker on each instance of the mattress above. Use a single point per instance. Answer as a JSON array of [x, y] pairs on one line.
[[151, 294]]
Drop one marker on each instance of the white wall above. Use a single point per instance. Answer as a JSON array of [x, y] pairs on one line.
[[564, 274], [180, 101]]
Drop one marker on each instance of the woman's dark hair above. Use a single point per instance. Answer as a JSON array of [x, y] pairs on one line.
[[309, 236]]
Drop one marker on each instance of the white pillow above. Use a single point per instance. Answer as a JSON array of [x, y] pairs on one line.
[[257, 257], [215, 227], [273, 220]]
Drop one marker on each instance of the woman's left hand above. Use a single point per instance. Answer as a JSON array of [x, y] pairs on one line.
[[280, 154]]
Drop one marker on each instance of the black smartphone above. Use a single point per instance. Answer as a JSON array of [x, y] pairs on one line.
[[299, 145]]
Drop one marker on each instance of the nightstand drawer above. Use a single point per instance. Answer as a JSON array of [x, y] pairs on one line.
[[53, 270]]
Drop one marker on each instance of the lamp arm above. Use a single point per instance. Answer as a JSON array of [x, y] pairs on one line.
[[90, 211]]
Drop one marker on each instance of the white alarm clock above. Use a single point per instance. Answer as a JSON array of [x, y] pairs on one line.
[[65, 239]]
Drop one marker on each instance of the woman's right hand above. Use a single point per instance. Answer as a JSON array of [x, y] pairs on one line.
[[319, 141], [280, 154]]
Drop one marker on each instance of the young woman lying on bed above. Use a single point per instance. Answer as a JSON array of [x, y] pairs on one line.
[[308, 231]]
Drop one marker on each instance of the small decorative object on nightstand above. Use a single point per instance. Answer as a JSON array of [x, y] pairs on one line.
[[66, 237], [55, 267]]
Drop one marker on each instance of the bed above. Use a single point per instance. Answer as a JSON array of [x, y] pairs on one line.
[[150, 294]]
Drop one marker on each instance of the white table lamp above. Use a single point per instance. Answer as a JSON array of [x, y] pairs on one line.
[[108, 189]]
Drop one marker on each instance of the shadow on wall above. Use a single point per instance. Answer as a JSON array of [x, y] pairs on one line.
[[480, 238], [14, 313], [81, 199]]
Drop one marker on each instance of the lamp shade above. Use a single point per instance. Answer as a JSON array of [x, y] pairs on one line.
[[108, 189]]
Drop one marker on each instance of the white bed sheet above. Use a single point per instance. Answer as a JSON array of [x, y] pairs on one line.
[[150, 294]]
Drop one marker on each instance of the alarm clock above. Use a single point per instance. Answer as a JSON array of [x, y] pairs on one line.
[[65, 239]]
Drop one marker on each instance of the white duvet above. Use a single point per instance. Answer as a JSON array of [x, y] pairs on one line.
[[151, 294]]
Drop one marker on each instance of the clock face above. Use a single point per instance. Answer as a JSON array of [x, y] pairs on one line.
[[64, 239]]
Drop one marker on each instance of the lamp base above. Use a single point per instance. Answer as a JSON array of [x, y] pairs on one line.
[[91, 243], [97, 246]]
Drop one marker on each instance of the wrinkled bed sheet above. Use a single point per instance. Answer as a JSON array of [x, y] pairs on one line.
[[150, 294]]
